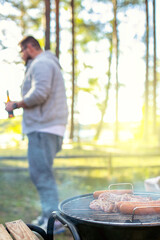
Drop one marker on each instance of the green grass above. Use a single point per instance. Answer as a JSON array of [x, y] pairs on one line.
[[116, 162], [19, 198]]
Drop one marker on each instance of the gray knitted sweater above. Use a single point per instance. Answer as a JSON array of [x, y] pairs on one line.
[[43, 92]]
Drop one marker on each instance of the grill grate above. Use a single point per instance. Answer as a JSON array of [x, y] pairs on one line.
[[78, 208]]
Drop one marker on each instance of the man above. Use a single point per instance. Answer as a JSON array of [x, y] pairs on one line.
[[44, 119]]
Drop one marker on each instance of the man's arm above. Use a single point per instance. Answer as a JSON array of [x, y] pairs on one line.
[[10, 106], [42, 83]]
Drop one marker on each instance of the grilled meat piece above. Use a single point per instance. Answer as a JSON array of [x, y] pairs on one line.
[[124, 197], [108, 201], [95, 204]]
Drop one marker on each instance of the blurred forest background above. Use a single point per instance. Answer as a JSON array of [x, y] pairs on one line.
[[109, 53], [110, 56]]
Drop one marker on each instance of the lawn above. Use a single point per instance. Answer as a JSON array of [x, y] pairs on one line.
[[19, 198]]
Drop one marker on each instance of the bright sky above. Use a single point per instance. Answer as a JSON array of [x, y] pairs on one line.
[[131, 68], [11, 75]]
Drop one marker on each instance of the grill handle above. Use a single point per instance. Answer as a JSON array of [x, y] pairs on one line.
[[153, 208], [50, 228], [120, 184]]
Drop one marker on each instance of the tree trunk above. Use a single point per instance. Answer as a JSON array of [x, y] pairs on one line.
[[73, 72], [57, 28], [146, 81], [104, 107], [22, 22], [47, 27], [115, 39], [154, 72]]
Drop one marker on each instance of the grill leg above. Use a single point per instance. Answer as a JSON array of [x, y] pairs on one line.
[[39, 230], [66, 223]]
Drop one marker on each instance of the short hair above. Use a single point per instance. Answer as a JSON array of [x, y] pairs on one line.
[[30, 39]]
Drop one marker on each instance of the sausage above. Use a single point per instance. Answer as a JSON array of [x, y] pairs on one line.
[[118, 191], [127, 203], [143, 208]]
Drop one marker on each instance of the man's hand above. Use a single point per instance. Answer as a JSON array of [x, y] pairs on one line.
[[9, 106]]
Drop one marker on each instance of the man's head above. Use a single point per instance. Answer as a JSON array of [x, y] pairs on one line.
[[30, 48]]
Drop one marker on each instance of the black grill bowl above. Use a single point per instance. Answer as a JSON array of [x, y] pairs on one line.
[[87, 224]]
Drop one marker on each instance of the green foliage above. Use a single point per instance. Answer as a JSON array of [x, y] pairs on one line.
[[93, 81], [89, 28], [11, 125], [129, 3], [26, 14]]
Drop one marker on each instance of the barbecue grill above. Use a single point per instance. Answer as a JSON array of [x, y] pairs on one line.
[[87, 224]]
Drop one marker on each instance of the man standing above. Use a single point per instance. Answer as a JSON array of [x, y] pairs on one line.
[[45, 116]]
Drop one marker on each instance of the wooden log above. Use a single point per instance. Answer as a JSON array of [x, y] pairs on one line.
[[4, 235], [20, 231]]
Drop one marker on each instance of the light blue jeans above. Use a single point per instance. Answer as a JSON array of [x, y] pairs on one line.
[[42, 149]]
